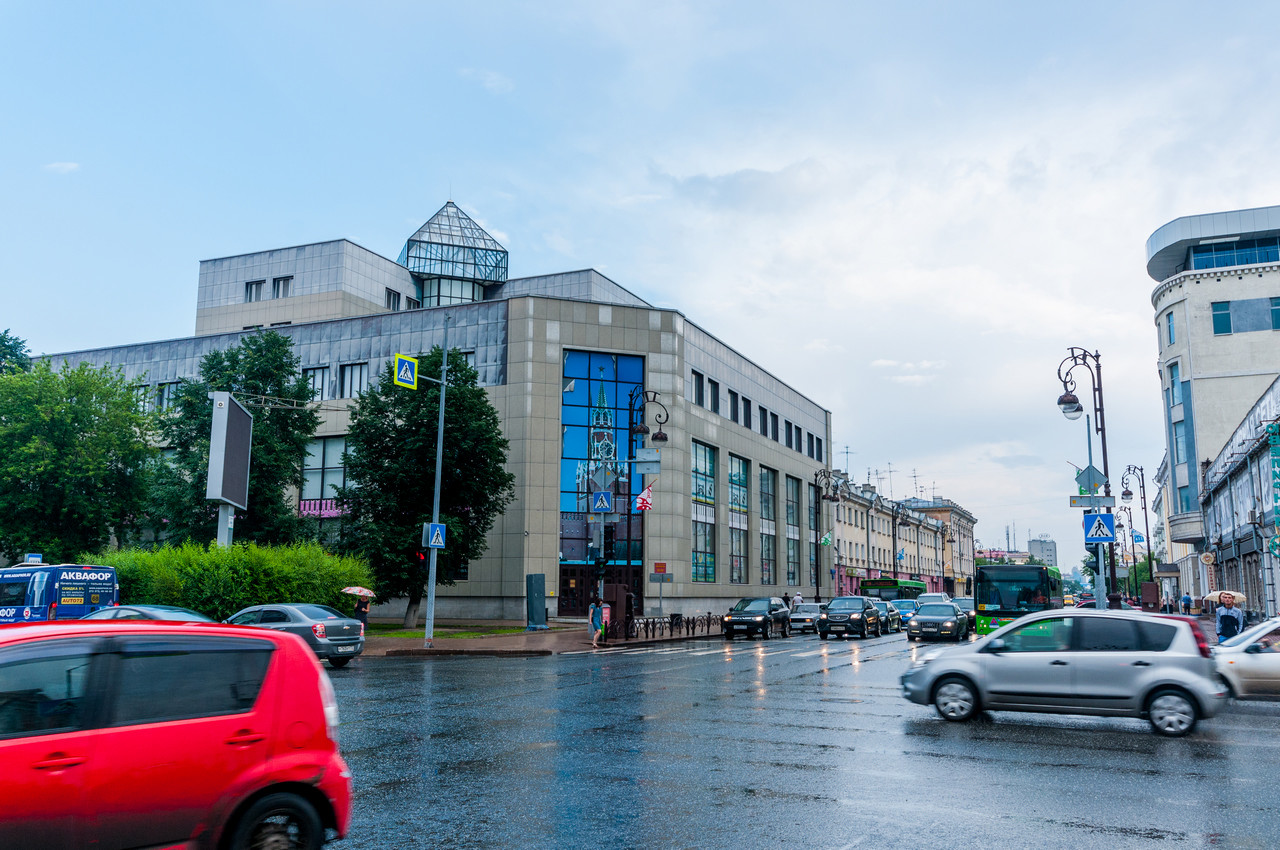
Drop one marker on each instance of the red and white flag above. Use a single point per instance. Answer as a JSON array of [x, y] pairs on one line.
[[644, 501]]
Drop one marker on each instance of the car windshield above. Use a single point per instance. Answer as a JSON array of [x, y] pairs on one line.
[[907, 605], [807, 608], [319, 612], [936, 609], [752, 606], [964, 603], [13, 593], [882, 607], [850, 603]]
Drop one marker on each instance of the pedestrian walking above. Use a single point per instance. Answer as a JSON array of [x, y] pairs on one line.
[[786, 600], [1229, 618], [799, 598], [362, 610], [595, 620], [1186, 603]]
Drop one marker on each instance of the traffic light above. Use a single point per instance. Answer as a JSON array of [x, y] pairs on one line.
[[598, 560]]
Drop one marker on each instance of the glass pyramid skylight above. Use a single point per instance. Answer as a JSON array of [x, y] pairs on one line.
[[451, 245]]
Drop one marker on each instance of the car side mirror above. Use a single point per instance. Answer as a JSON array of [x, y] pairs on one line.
[[997, 646], [1253, 648]]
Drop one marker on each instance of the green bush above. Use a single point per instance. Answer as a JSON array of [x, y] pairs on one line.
[[219, 582]]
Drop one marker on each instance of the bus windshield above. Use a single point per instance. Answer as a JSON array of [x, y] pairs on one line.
[[1020, 590]]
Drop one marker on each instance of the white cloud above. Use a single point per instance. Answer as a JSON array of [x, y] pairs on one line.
[[491, 80], [62, 167]]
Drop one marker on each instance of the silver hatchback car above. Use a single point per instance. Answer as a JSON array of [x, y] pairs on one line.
[[1077, 661]]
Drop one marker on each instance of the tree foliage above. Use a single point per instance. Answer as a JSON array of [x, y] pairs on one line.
[[14, 356], [74, 447], [264, 374], [390, 464]]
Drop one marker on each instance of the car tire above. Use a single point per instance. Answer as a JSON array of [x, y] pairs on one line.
[[1172, 712], [955, 699], [339, 662], [879, 629], [728, 635], [823, 635], [278, 819], [910, 638], [766, 631], [786, 630]]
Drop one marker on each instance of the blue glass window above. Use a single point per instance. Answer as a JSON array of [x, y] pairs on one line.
[[1169, 321], [1180, 442], [1175, 385], [1275, 314], [1243, 252], [1221, 317]]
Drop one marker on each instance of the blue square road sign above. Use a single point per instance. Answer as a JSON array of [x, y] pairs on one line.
[[1099, 528]]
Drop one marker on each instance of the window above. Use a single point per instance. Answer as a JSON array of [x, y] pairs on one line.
[[1275, 314], [318, 380], [355, 378], [413, 304], [438, 291], [789, 435], [1180, 442], [173, 678], [42, 687], [280, 287], [814, 503], [1185, 504], [733, 405], [810, 443], [1053, 635], [793, 530], [253, 291], [713, 389], [392, 299], [1168, 320], [280, 324], [773, 426], [819, 455], [1239, 252], [1107, 634], [739, 504], [166, 395], [763, 430], [746, 412], [704, 512], [698, 396], [1175, 385], [1221, 317], [322, 469], [274, 615], [768, 535]]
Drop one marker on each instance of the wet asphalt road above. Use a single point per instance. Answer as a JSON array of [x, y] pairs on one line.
[[753, 744]]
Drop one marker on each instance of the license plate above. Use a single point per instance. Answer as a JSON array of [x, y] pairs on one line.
[[346, 649], [837, 628], [930, 628]]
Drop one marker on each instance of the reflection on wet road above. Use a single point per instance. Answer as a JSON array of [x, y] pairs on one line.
[[795, 742]]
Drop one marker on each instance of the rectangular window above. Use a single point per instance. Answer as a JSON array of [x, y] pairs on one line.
[[763, 430], [789, 435], [166, 395], [739, 504], [1275, 314], [1180, 442], [1169, 323], [713, 388], [819, 455], [1175, 385], [355, 378], [698, 396], [1221, 317], [703, 460], [253, 291], [280, 287], [412, 304], [815, 506], [810, 443], [392, 299], [44, 688], [793, 530], [322, 469], [793, 561], [1184, 500], [746, 412], [173, 678], [733, 405], [773, 426], [318, 380], [768, 526]]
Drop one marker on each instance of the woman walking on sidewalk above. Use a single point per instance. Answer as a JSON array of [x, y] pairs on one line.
[[595, 620]]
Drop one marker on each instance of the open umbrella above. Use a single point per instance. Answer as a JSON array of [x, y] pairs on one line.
[[1215, 596], [359, 591]]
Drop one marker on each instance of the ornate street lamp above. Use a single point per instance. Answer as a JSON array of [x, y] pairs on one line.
[[898, 518], [1071, 408], [1126, 495], [638, 430], [827, 485]]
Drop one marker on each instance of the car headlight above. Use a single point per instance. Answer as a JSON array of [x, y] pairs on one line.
[[726, 618], [759, 619], [949, 623], [922, 660], [823, 617]]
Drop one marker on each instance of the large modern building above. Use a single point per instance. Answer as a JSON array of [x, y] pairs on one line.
[[1217, 311], [1044, 549], [570, 361]]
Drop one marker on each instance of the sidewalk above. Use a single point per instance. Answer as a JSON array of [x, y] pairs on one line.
[[563, 636]]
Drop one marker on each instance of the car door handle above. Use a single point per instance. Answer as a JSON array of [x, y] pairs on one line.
[[245, 736], [1142, 664], [57, 761], [1058, 663]]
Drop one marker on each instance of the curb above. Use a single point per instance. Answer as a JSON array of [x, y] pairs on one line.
[[427, 653]]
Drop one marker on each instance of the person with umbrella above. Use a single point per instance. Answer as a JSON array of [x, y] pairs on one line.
[[362, 595]]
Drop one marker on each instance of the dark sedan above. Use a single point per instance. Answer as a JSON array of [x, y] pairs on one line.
[[890, 614], [762, 615], [938, 620], [148, 612], [847, 616], [965, 604], [331, 634]]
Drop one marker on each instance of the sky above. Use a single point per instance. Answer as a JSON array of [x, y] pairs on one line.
[[908, 212]]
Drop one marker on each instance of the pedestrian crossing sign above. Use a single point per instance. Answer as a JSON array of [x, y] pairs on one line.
[[406, 374], [433, 535], [602, 502], [1099, 528]]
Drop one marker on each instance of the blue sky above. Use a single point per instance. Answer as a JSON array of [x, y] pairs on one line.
[[908, 211]]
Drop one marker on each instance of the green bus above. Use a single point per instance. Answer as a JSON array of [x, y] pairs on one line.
[[1004, 592], [892, 588]]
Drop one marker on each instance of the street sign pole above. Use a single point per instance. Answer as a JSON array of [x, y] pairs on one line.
[[435, 494]]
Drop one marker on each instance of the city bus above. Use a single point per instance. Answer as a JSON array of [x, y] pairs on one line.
[[1004, 592], [890, 589]]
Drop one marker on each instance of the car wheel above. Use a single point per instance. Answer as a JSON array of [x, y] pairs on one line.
[[910, 638], [278, 820], [786, 630], [728, 635], [766, 631], [339, 662], [1172, 713], [955, 700], [879, 629], [822, 635]]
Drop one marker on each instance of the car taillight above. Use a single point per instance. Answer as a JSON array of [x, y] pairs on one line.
[[317, 629], [53, 610], [330, 702]]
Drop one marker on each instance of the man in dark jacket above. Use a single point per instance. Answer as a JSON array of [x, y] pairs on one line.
[[1230, 619]]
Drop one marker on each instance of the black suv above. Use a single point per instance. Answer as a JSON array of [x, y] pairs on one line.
[[763, 615], [850, 615]]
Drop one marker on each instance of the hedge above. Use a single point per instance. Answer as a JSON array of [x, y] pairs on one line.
[[220, 581]]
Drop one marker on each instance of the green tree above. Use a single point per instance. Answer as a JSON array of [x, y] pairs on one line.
[[264, 374], [390, 463], [74, 447], [14, 356]]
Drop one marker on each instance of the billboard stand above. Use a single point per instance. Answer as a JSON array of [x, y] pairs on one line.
[[230, 441]]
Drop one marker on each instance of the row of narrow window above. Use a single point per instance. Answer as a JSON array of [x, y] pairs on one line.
[[706, 394]]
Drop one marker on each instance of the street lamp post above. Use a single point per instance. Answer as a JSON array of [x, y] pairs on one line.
[[897, 517], [637, 430], [1126, 495], [1127, 525], [827, 485], [1073, 409]]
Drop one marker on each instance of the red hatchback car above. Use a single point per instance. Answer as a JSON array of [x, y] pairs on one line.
[[163, 734]]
